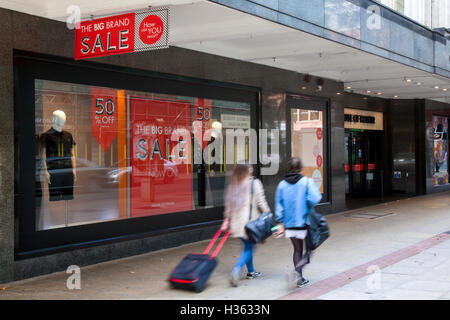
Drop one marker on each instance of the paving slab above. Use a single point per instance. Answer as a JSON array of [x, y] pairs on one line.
[[353, 242]]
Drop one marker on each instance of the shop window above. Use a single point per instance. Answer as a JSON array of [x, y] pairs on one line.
[[440, 136], [107, 154], [307, 143]]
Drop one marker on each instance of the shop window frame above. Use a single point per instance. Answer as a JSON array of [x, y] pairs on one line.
[[313, 103], [30, 66]]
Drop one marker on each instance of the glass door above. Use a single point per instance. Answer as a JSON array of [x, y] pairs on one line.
[[362, 163]]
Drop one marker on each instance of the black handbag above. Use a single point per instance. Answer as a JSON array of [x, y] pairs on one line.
[[318, 230], [259, 229]]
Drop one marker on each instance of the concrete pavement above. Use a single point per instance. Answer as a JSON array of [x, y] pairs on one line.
[[357, 237]]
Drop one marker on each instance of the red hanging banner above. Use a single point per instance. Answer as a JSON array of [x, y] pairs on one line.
[[202, 120], [104, 116], [125, 33]]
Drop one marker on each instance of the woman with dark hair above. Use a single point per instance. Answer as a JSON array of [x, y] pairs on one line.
[[244, 202], [294, 197]]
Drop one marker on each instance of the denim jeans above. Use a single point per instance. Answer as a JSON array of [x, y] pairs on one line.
[[245, 258]]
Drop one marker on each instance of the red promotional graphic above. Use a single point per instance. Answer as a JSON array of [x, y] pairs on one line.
[[319, 133], [151, 29], [202, 115], [161, 175], [106, 36], [125, 33], [104, 116], [319, 161]]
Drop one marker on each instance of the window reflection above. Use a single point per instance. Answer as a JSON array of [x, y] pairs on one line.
[[116, 154]]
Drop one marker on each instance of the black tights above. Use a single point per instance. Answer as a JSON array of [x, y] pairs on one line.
[[299, 259]]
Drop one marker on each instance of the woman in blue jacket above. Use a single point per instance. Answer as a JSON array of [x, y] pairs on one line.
[[294, 196]]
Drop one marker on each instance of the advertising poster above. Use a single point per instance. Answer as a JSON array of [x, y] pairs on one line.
[[125, 33], [440, 137], [104, 118], [161, 174]]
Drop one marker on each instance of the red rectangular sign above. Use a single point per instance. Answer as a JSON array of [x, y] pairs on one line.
[[125, 33], [160, 181], [105, 36]]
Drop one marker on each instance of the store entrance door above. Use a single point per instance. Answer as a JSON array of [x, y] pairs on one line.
[[363, 156]]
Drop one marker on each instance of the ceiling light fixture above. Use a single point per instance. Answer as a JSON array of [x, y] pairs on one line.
[[436, 87], [368, 91], [408, 80], [419, 83]]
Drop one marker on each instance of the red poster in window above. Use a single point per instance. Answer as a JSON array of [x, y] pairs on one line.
[[202, 120], [319, 133], [104, 116], [161, 173], [319, 161], [371, 166]]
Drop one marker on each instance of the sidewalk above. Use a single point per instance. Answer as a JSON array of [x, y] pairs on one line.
[[408, 228]]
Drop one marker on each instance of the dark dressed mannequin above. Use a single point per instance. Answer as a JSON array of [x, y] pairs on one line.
[[58, 159]]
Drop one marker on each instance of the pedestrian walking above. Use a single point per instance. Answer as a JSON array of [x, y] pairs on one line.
[[244, 202], [295, 196]]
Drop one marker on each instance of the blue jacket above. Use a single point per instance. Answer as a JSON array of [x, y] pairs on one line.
[[293, 200]]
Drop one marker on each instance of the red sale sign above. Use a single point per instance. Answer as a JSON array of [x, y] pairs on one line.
[[104, 116], [161, 174], [202, 120], [125, 33]]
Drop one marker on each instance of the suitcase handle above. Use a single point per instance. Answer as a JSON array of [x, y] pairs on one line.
[[219, 246]]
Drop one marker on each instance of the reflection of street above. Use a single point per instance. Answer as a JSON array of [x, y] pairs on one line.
[[154, 198], [85, 208]]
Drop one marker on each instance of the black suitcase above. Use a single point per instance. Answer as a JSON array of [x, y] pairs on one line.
[[194, 270]]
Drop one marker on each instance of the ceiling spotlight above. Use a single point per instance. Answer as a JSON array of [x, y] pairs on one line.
[[349, 87], [303, 88], [408, 80], [445, 89], [395, 96], [338, 93], [368, 91], [419, 83], [379, 93]]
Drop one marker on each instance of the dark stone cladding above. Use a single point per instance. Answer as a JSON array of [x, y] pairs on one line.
[[40, 35]]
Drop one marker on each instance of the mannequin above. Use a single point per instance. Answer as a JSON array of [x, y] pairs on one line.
[[58, 159]]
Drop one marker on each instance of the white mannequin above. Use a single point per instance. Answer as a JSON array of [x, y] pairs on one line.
[[58, 122]]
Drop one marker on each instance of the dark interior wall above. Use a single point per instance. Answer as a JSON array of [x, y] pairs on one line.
[[402, 128], [432, 108], [39, 35]]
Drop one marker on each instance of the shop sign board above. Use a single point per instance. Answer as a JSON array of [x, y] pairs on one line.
[[124, 33], [363, 119]]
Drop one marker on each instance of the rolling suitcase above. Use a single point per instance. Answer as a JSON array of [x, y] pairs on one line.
[[194, 270]]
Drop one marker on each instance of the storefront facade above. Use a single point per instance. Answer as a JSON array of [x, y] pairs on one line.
[[106, 179]]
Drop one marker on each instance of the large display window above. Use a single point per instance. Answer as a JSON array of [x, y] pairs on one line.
[[112, 153], [106, 154], [308, 138], [441, 146]]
